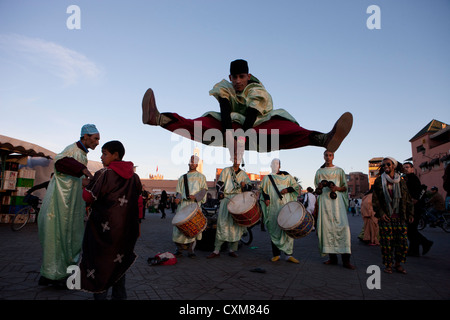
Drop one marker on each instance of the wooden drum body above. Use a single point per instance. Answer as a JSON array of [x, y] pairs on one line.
[[295, 220], [244, 208], [190, 220]]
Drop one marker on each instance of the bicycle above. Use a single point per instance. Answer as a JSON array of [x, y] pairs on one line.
[[247, 237], [211, 216], [22, 216], [443, 221]]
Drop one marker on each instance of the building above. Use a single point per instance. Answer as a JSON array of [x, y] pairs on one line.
[[255, 178], [157, 186], [430, 153], [200, 161], [157, 176], [374, 169], [358, 184]]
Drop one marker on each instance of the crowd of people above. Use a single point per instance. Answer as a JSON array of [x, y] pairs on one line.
[[391, 211], [103, 245], [159, 203]]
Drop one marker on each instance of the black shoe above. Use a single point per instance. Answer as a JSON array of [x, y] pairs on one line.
[[178, 253], [427, 247], [60, 284], [43, 281]]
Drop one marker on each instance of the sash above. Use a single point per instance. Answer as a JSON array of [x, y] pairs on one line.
[[186, 186], [275, 186]]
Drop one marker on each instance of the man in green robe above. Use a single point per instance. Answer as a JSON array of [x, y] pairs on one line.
[[288, 189], [194, 193], [332, 223], [232, 181], [61, 218]]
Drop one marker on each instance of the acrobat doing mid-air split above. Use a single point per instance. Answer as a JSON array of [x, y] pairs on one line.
[[247, 119]]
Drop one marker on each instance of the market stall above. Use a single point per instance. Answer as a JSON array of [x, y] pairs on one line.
[[15, 177]]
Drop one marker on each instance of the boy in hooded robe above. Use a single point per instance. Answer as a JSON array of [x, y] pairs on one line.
[[114, 195]]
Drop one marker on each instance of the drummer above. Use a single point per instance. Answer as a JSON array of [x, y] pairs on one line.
[[195, 192], [276, 194], [231, 182]]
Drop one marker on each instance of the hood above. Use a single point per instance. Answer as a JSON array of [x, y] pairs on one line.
[[125, 169]]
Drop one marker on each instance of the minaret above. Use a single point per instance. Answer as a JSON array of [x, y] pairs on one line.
[[200, 161]]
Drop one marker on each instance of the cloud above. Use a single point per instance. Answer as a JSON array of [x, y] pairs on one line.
[[69, 65]]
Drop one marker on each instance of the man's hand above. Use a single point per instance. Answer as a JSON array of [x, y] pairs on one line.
[[87, 173], [85, 182]]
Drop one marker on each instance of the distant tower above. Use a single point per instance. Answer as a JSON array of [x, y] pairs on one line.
[[200, 161]]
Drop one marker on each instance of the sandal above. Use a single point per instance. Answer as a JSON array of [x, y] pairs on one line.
[[400, 269], [388, 270]]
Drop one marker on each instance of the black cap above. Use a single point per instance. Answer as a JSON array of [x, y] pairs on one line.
[[238, 66]]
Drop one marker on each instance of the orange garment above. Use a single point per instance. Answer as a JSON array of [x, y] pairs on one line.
[[370, 222]]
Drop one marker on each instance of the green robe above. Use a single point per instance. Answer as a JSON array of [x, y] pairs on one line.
[[227, 230], [61, 219], [254, 96], [196, 182], [270, 213], [332, 222]]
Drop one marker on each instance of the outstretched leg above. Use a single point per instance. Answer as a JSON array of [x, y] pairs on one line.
[[333, 139], [275, 134]]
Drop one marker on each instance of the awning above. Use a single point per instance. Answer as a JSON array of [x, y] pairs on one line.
[[423, 164], [445, 158], [433, 162], [10, 145]]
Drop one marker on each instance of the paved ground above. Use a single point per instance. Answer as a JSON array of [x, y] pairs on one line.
[[230, 279]]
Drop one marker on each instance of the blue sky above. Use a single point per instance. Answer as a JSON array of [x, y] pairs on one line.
[[317, 59]]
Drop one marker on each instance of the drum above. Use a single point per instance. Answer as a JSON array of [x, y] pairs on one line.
[[244, 209], [295, 220], [190, 220]]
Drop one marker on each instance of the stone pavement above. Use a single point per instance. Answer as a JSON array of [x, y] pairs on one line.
[[230, 279]]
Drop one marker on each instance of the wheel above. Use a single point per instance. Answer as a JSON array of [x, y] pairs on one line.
[[20, 219], [421, 225], [247, 237], [445, 225]]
